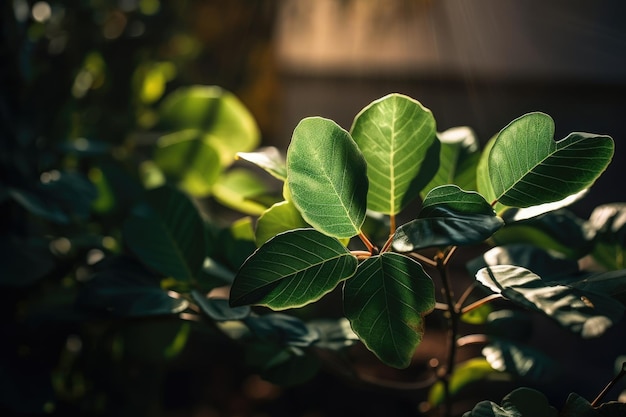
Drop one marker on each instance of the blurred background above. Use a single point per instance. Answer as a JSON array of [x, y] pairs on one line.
[[97, 69]]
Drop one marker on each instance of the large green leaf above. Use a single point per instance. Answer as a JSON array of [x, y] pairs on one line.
[[228, 124], [167, 234], [458, 159], [587, 313], [527, 167], [398, 138], [449, 216], [292, 269], [327, 177], [188, 159], [279, 218], [385, 302]]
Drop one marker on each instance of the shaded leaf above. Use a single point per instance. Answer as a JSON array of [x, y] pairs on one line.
[[397, 136], [282, 330], [326, 175], [167, 234], [521, 402], [523, 361], [385, 302], [527, 167], [279, 218], [292, 269], [218, 309], [509, 324], [586, 313], [608, 223]]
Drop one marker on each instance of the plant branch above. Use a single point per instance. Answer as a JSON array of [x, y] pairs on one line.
[[422, 258], [606, 389], [361, 254], [465, 295], [480, 302], [472, 339], [387, 244], [392, 224], [370, 247]]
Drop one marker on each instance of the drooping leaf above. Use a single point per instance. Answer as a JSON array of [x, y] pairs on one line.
[[522, 361], [521, 402], [167, 234], [527, 167], [465, 373], [279, 218], [218, 308], [586, 313], [327, 177], [242, 190], [385, 302], [122, 287], [292, 269], [547, 265], [186, 158], [449, 216], [228, 124], [269, 158], [398, 138], [458, 159]]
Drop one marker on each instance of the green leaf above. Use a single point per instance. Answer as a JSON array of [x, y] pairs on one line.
[[269, 158], [236, 243], [522, 361], [398, 138], [483, 179], [449, 216], [458, 159], [611, 283], [465, 373], [327, 177], [385, 302], [228, 124], [122, 287], [218, 308], [291, 270], [509, 324], [608, 223], [186, 158], [334, 334], [242, 190], [521, 402], [282, 329], [167, 234], [279, 218], [527, 167], [586, 313]]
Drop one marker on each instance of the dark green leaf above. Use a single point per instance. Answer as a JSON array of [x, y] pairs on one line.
[[522, 402], [523, 361], [608, 223], [527, 167], [586, 313], [167, 234], [385, 302], [326, 174], [218, 309], [282, 330], [457, 200], [292, 269], [397, 136], [509, 324]]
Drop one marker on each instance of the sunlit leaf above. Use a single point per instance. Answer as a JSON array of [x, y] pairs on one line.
[[523, 361], [528, 167], [587, 313], [458, 159], [397, 136], [521, 402], [385, 302], [327, 177], [292, 269], [228, 124], [188, 159], [450, 216], [465, 373], [167, 234], [270, 159], [477, 315], [279, 218], [243, 190], [483, 181]]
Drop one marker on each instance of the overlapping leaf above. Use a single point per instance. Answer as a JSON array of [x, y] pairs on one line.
[[327, 177], [587, 313], [397, 136], [279, 218], [521, 402], [385, 302], [527, 167], [291, 270], [449, 216]]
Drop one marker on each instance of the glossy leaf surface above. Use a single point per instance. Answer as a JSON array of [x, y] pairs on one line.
[[385, 302], [279, 218], [527, 167], [587, 313], [167, 234], [327, 177], [450, 216], [291, 270], [397, 136]]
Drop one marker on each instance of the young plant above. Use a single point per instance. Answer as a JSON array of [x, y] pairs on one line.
[[511, 195]]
